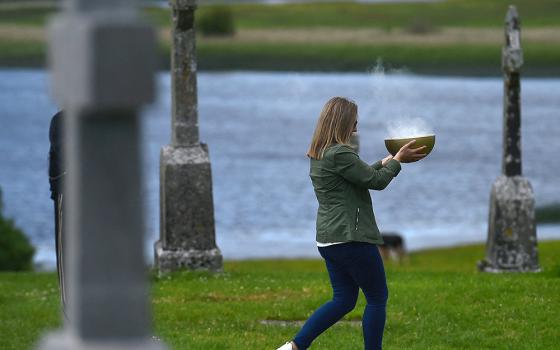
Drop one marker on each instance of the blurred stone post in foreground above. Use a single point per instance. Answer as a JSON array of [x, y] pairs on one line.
[[103, 65], [187, 230], [512, 236]]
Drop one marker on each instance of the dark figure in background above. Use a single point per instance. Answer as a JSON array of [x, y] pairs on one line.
[[57, 171], [392, 247]]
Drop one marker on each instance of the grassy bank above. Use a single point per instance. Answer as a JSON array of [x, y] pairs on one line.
[[473, 60], [414, 37], [440, 60], [459, 13], [548, 213], [437, 300]]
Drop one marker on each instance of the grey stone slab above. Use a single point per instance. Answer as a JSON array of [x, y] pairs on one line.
[[101, 60], [512, 54], [103, 74], [512, 60], [187, 207], [184, 103], [511, 159], [109, 293], [67, 341], [512, 236], [187, 227], [190, 259]]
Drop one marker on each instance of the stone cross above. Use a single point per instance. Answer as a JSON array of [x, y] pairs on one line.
[[102, 61], [187, 230], [512, 236]]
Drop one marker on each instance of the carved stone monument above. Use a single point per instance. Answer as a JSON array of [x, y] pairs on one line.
[[187, 232], [512, 236], [103, 65]]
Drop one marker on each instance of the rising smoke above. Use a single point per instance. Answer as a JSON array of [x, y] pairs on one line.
[[387, 96], [408, 127]]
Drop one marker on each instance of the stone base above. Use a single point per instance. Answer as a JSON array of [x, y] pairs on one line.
[[485, 266], [512, 235], [64, 340], [173, 260]]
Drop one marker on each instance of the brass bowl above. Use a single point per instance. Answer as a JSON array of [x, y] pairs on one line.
[[394, 145]]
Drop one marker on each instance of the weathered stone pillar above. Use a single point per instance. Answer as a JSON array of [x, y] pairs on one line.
[[187, 232], [512, 237], [103, 64]]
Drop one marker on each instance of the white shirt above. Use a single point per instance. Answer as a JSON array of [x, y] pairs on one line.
[[327, 244]]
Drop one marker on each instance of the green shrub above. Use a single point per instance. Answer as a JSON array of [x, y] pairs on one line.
[[16, 253], [216, 21]]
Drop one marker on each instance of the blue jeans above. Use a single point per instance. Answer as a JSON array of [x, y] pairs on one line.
[[352, 266]]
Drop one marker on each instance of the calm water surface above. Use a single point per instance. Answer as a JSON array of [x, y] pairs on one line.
[[258, 127]]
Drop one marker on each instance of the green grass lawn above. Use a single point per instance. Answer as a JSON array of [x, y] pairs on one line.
[[437, 300]]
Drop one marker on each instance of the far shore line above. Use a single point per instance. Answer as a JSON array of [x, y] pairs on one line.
[[483, 72]]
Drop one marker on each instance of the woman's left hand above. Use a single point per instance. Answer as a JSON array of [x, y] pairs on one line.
[[386, 159]]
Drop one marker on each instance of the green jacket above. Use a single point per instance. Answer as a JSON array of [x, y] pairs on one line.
[[342, 181]]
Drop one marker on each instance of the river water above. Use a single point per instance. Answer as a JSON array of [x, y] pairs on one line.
[[258, 127]]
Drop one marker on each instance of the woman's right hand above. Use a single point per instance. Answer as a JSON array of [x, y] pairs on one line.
[[408, 155]]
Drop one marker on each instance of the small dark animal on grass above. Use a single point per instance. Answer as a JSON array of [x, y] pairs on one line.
[[393, 247]]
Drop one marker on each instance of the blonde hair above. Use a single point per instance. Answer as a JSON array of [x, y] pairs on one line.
[[335, 125]]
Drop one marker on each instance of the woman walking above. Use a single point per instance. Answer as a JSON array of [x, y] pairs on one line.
[[347, 234]]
